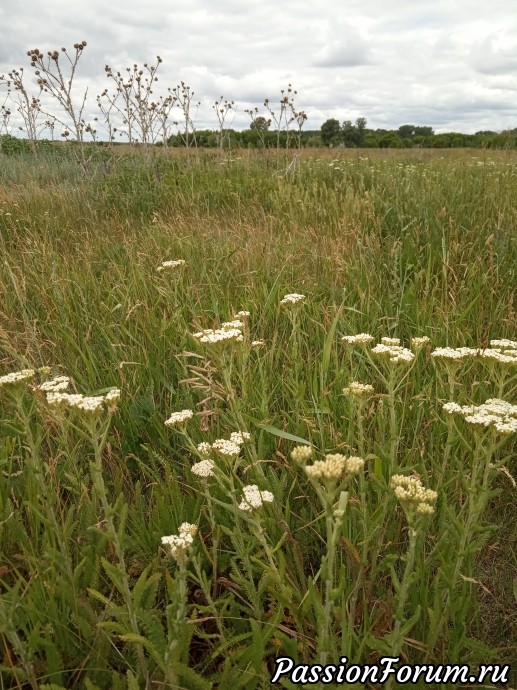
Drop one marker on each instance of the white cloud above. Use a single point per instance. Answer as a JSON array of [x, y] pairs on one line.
[[444, 64]]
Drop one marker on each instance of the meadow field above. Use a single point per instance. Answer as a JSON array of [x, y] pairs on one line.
[[256, 405]]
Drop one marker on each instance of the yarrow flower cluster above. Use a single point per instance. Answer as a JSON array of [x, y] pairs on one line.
[[213, 336], [254, 498], [204, 468], [396, 354], [257, 343], [179, 418], [412, 495], [390, 341], [420, 343], [17, 377], [227, 449], [458, 354], [495, 413], [292, 299], [358, 389], [90, 404], [230, 325], [181, 543], [504, 344], [359, 339], [334, 467], [56, 385], [171, 264], [243, 314]]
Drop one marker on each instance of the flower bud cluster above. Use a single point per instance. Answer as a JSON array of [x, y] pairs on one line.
[[334, 467], [300, 454], [358, 389], [420, 343], [412, 495]]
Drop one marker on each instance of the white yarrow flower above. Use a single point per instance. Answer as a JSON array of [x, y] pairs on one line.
[[178, 418]]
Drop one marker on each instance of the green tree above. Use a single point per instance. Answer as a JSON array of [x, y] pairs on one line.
[[331, 132]]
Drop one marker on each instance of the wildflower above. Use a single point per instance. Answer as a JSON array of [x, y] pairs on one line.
[[56, 385], [239, 437], [412, 495], [219, 335], [171, 264], [179, 418], [453, 354], [334, 467], [229, 325], [204, 449], [504, 344], [112, 398], [395, 353], [226, 448], [205, 468], [17, 377], [452, 408], [300, 454], [358, 389], [360, 339], [390, 341], [419, 343], [181, 543], [254, 498], [242, 314], [257, 343], [292, 299]]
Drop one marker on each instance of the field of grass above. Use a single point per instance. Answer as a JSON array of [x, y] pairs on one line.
[[340, 558]]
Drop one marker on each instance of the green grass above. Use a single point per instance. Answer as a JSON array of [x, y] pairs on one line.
[[399, 245]]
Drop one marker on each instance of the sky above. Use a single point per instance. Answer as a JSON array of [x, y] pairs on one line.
[[449, 64]]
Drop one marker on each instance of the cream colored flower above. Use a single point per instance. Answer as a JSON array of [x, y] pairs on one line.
[[292, 299], [205, 468], [254, 498], [17, 377], [359, 339], [300, 454], [178, 263], [358, 389], [179, 418]]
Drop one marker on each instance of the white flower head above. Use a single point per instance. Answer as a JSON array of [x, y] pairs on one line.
[[359, 339], [179, 418], [204, 468], [56, 385], [293, 299], [254, 498], [181, 543], [240, 437], [17, 377], [204, 449], [227, 449], [170, 265], [358, 389]]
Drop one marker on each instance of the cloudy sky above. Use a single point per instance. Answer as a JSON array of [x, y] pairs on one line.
[[445, 63]]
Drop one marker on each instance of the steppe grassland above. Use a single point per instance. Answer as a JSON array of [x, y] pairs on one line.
[[317, 561]]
